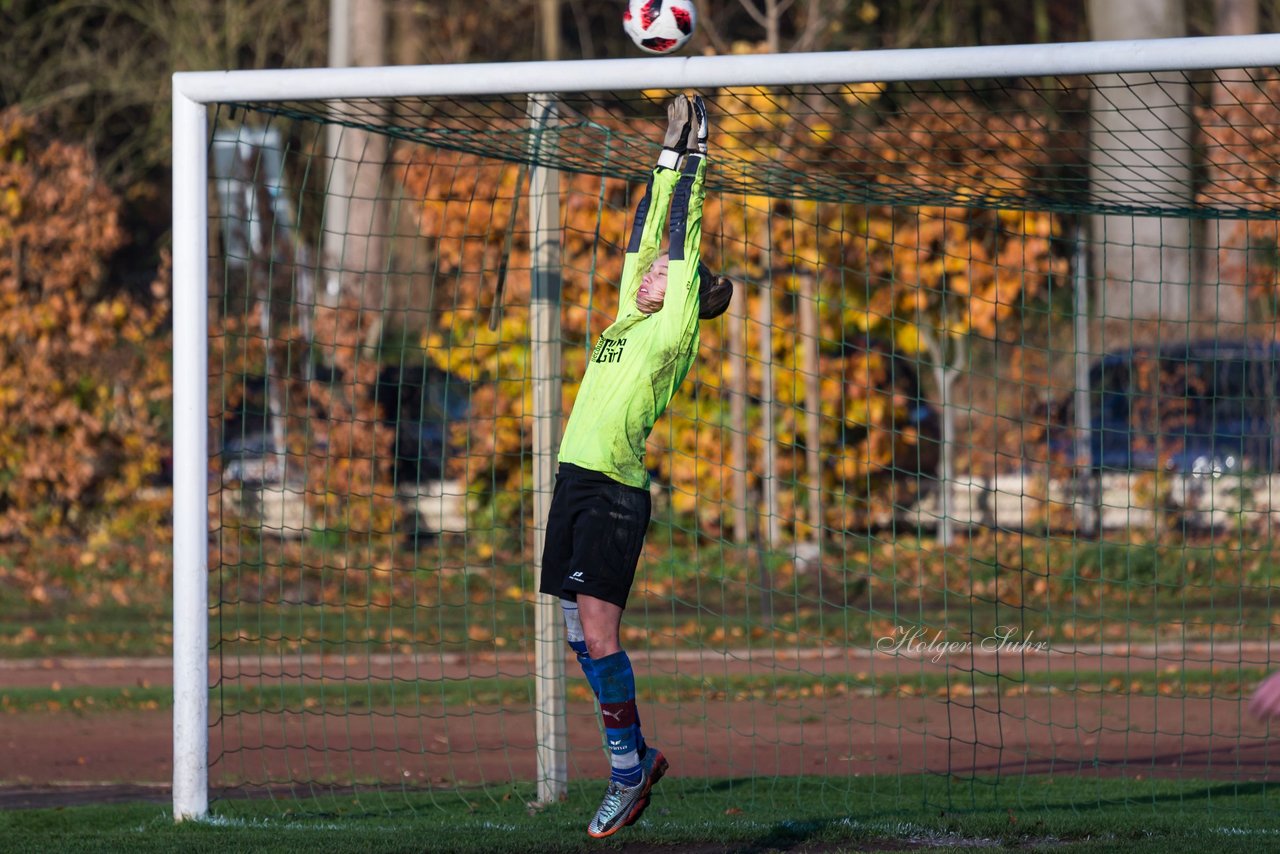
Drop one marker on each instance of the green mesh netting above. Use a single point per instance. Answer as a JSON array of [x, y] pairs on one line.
[[972, 484]]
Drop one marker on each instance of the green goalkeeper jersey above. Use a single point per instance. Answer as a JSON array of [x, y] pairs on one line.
[[638, 363]]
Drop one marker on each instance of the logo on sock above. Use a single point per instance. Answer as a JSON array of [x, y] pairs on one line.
[[618, 715]]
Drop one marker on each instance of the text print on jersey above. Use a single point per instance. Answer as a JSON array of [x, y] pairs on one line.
[[608, 350]]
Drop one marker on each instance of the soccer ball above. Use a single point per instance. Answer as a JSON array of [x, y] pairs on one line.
[[659, 26]]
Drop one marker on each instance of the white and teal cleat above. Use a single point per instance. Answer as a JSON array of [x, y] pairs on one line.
[[623, 805]]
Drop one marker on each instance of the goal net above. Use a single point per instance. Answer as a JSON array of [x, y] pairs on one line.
[[973, 483]]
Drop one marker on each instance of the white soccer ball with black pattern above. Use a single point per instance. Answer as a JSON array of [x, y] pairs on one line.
[[660, 26]]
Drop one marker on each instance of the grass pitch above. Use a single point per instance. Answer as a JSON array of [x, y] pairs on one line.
[[802, 814]]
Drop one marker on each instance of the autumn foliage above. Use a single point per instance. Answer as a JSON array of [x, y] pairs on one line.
[[337, 451], [84, 369], [1238, 135], [889, 279]]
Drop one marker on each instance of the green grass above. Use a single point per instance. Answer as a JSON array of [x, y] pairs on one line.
[[1074, 814], [708, 594], [268, 629], [360, 695], [71, 629]]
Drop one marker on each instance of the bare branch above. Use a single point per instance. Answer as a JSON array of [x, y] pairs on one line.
[[583, 23], [816, 22], [705, 23], [756, 15], [922, 20]]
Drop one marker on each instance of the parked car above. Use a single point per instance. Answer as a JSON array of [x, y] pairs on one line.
[[422, 403], [913, 419], [249, 452], [1202, 407]]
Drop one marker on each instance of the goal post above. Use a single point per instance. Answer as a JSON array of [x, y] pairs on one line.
[[190, 459], [544, 332], [294, 95]]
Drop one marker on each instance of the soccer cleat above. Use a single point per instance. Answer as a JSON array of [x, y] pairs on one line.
[[623, 805]]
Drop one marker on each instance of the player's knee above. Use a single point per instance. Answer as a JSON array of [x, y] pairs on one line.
[[600, 646]]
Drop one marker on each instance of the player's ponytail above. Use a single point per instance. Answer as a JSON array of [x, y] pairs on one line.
[[714, 293]]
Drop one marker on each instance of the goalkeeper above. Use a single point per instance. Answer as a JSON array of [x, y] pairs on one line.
[[600, 509]]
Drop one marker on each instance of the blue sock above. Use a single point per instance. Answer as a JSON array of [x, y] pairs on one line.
[[578, 643], [621, 723]]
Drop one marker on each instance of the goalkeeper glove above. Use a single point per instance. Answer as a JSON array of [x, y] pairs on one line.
[[679, 119], [698, 128]]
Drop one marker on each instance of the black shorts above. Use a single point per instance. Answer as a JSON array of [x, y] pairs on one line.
[[595, 532]]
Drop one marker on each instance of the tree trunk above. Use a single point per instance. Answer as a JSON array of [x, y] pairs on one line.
[[817, 27], [945, 374], [1141, 156], [768, 413], [809, 336], [409, 284], [770, 20], [773, 29], [1235, 17], [1085, 506], [1225, 256], [355, 212], [549, 22], [947, 466], [407, 39], [737, 347]]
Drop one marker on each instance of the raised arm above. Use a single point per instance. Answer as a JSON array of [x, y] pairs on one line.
[[685, 238], [645, 243]]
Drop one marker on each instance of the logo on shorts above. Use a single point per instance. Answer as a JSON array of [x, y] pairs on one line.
[[577, 576]]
